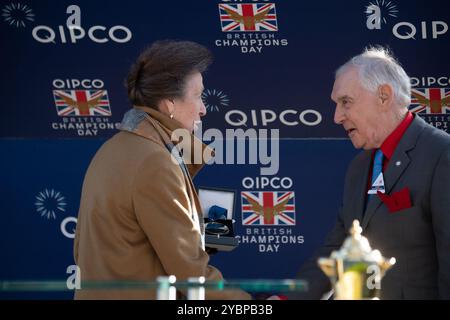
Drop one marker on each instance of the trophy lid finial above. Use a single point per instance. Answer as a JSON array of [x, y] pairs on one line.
[[356, 229], [356, 246]]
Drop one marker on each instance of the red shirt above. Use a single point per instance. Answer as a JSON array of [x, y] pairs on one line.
[[391, 142], [389, 145]]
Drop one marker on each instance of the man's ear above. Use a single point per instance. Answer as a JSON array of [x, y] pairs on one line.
[[385, 95]]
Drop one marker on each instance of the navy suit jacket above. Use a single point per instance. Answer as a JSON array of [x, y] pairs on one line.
[[418, 237]]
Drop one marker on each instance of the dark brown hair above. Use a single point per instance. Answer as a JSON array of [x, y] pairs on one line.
[[160, 71]]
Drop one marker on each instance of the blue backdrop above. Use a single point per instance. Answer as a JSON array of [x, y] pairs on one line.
[[273, 74]]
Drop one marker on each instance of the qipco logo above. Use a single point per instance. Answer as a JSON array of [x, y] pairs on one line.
[[74, 32], [406, 30], [68, 226], [265, 117]]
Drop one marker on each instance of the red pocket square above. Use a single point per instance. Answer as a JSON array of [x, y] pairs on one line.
[[397, 201]]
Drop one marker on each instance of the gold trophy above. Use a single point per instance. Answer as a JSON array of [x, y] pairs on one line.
[[356, 270]]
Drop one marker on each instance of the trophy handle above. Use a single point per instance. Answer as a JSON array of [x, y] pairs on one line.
[[328, 266]]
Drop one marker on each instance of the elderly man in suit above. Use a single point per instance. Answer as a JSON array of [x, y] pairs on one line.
[[398, 186]]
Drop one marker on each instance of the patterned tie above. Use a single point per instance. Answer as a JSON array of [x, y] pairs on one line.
[[377, 168]]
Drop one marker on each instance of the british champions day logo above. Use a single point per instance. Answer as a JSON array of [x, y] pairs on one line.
[[248, 17], [82, 102], [83, 107], [430, 99], [249, 26], [268, 208], [269, 218]]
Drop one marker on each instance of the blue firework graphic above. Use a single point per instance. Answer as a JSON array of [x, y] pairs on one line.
[[49, 203]]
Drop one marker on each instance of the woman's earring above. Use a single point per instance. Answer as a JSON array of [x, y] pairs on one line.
[[171, 116]]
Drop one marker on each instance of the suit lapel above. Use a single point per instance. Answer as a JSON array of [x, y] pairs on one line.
[[372, 206], [358, 198], [397, 165]]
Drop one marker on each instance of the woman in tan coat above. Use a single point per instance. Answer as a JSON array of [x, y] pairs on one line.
[[139, 214]]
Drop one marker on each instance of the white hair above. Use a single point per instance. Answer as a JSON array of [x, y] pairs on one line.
[[377, 66]]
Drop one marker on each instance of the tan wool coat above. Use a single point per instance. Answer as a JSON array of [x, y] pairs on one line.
[[139, 215]]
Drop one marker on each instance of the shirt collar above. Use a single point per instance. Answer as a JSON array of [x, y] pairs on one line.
[[391, 142]]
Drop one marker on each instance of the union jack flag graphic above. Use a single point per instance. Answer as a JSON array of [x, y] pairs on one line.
[[430, 100], [248, 17], [82, 103], [268, 208]]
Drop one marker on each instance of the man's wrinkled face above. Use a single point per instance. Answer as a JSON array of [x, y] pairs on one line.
[[356, 110], [190, 108]]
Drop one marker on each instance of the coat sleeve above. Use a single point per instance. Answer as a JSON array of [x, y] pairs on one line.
[[318, 282], [163, 210], [440, 209]]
